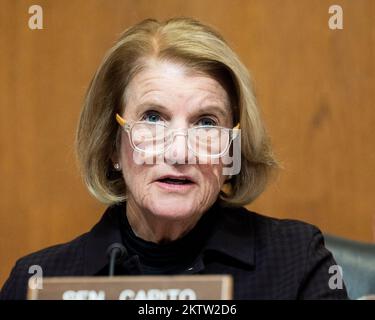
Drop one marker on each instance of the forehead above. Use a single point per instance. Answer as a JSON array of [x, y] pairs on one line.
[[172, 81]]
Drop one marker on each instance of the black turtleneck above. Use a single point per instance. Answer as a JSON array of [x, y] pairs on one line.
[[170, 258]]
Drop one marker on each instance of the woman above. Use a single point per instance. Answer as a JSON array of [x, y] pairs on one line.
[[171, 139]]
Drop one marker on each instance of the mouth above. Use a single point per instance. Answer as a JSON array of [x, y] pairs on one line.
[[175, 183]]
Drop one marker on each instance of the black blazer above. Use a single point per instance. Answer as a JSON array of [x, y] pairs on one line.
[[268, 258]]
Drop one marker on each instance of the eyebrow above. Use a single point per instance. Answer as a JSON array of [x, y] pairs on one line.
[[202, 109], [213, 109], [147, 105]]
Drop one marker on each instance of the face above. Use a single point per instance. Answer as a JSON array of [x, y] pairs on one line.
[[168, 93]]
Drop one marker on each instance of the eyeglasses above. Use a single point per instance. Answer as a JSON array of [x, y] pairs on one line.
[[156, 138]]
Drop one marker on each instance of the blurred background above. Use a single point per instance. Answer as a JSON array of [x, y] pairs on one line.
[[315, 86]]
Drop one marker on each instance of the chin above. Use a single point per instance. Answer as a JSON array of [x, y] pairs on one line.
[[174, 209]]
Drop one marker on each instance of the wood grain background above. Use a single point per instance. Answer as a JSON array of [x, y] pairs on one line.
[[316, 87]]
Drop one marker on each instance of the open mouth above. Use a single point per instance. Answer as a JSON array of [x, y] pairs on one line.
[[176, 181]]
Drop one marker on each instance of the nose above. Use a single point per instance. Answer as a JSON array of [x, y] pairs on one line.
[[178, 152]]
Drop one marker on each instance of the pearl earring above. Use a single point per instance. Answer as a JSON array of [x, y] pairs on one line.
[[117, 166]]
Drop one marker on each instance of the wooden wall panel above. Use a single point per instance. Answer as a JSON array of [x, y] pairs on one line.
[[315, 86]]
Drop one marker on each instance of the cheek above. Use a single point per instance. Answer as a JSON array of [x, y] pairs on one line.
[[129, 168], [213, 178], [135, 169], [126, 153]]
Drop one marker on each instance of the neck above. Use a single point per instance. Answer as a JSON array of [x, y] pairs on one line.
[[151, 228]]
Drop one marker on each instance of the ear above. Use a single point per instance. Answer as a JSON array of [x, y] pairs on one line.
[[116, 149], [115, 158]]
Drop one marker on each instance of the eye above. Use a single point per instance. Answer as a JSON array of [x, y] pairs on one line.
[[151, 116], [207, 122]]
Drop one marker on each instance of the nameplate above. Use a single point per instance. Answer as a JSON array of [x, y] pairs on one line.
[[194, 287]]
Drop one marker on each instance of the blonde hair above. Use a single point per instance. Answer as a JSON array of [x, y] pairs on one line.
[[200, 48]]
